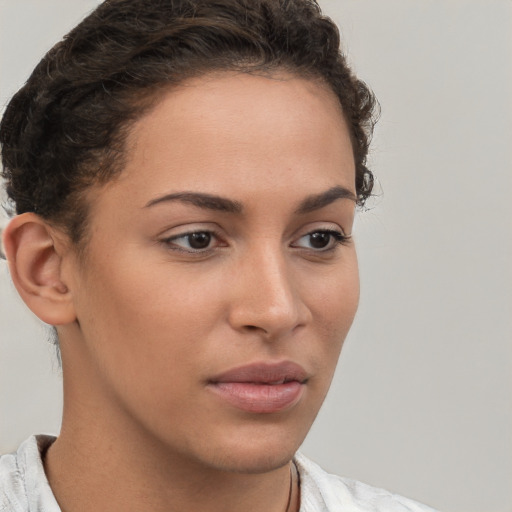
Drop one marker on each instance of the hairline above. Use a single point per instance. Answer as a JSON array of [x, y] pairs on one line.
[[149, 99]]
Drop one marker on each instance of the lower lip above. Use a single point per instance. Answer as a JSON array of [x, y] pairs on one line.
[[259, 398]]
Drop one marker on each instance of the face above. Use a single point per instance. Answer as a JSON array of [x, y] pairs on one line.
[[220, 279]]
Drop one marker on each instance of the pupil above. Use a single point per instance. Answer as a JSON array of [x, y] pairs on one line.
[[320, 240], [199, 240]]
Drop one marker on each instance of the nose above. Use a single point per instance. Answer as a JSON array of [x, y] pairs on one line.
[[265, 297]]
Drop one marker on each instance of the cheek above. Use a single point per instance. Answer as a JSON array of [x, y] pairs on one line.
[[335, 298], [142, 294], [137, 316], [138, 327], [334, 304]]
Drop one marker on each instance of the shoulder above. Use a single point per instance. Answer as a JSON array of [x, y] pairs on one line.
[[23, 484], [323, 492], [13, 495]]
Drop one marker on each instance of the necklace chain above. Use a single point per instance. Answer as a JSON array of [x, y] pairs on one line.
[[294, 480]]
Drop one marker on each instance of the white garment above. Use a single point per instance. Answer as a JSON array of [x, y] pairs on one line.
[[24, 487]]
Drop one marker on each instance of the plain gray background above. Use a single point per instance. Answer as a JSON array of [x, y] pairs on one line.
[[422, 400]]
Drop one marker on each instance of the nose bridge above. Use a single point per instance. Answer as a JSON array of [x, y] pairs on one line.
[[266, 297]]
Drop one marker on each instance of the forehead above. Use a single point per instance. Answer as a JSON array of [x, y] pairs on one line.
[[234, 134]]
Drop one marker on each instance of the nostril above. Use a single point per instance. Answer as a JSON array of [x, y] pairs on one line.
[[270, 309], [252, 328]]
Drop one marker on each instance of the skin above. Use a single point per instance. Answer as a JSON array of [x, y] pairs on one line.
[[145, 322]]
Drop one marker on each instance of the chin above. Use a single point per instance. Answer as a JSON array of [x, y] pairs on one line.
[[253, 461], [259, 449]]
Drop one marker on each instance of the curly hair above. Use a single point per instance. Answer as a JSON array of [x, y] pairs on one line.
[[65, 129]]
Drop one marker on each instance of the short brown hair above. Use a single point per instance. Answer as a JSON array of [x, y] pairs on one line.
[[65, 129]]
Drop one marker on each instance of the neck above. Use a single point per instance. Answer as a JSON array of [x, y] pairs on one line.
[[84, 470], [110, 465]]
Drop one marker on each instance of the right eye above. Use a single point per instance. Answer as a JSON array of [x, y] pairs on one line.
[[193, 242]]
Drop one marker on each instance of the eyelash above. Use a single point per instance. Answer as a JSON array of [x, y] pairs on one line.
[[169, 241], [336, 238]]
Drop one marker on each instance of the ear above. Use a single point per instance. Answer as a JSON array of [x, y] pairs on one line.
[[34, 253]]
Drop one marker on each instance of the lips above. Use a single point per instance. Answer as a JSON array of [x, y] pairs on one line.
[[262, 387]]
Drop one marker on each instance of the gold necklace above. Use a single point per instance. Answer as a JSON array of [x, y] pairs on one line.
[[294, 484]]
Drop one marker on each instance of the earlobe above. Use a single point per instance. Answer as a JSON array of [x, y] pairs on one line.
[[35, 263]]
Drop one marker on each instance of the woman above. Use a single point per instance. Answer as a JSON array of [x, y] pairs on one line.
[[185, 176]]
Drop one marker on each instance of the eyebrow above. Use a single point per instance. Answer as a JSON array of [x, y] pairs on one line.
[[217, 203], [201, 200], [318, 201]]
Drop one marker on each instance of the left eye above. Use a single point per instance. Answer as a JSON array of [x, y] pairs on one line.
[[321, 240]]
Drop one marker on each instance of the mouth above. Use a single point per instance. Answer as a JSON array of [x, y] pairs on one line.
[[261, 388]]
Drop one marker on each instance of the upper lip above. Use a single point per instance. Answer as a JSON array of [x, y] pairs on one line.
[[263, 373]]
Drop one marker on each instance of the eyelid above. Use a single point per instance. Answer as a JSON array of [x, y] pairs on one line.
[[218, 239], [215, 234], [340, 238], [314, 227]]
